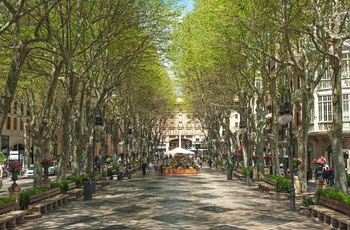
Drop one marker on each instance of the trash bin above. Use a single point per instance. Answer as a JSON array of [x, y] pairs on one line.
[[87, 186]]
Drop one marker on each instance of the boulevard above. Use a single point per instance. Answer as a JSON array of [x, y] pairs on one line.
[[203, 201]]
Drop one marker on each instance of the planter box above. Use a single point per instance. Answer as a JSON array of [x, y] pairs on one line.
[[305, 210], [334, 204], [8, 206], [180, 171]]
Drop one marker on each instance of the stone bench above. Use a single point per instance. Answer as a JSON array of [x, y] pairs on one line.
[[73, 191], [9, 216], [267, 184], [47, 200], [238, 173], [101, 181], [331, 212]]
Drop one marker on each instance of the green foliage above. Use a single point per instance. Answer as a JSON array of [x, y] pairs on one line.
[[308, 201], [112, 169], [24, 196], [282, 185], [3, 158], [245, 170], [339, 196], [64, 184], [230, 166], [6, 199]]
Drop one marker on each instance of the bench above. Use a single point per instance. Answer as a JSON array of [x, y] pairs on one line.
[[47, 200], [239, 173], [73, 191], [100, 181], [9, 217], [331, 212], [267, 184]]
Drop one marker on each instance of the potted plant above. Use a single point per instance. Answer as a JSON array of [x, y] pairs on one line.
[[46, 163], [267, 158], [319, 164], [255, 159], [15, 168], [296, 163]]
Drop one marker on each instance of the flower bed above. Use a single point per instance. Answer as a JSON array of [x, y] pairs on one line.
[[180, 171]]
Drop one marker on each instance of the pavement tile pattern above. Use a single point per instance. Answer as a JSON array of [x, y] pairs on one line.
[[203, 201]]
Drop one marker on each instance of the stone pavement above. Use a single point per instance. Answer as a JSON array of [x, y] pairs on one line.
[[203, 201]]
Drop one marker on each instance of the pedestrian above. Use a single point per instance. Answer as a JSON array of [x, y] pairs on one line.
[[331, 177], [121, 171], [128, 170], [210, 162], [325, 175], [144, 166], [1, 170], [155, 166], [150, 166]]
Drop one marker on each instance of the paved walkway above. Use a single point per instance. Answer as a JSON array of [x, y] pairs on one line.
[[203, 201]]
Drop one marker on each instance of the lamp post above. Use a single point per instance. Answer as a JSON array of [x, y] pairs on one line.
[[98, 126], [243, 130], [143, 139], [287, 118]]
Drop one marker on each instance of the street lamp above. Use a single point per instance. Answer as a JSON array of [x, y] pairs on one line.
[[243, 130], [143, 139], [98, 126], [287, 118]]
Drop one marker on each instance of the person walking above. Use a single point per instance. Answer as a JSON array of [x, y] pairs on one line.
[[331, 177], [144, 167], [128, 170], [210, 162], [121, 171], [155, 166]]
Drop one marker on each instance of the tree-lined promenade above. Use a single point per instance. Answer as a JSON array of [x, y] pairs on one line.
[[65, 63]]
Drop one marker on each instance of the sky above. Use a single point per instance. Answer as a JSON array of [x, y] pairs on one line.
[[188, 4]]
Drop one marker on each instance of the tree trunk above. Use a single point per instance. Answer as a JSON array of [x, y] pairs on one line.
[[37, 149], [302, 136], [337, 131], [65, 141]]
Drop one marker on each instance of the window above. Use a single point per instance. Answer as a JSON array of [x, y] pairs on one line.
[[345, 70], [325, 82], [21, 125], [198, 125], [325, 108], [236, 115], [346, 107], [5, 142], [180, 117], [15, 124], [197, 138], [346, 65], [8, 123], [236, 124]]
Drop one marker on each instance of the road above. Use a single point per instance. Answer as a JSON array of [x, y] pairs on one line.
[[203, 201], [23, 182]]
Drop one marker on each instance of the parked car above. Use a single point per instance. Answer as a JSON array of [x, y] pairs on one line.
[[53, 169], [30, 172]]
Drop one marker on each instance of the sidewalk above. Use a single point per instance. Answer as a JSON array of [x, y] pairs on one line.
[[199, 201]]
